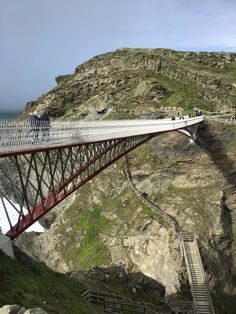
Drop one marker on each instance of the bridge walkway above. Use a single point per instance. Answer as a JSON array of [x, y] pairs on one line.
[[199, 288], [19, 137]]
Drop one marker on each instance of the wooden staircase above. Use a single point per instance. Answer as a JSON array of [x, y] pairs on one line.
[[201, 296], [199, 288], [113, 303]]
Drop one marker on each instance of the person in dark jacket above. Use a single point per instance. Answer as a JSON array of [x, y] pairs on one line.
[[34, 123], [44, 126]]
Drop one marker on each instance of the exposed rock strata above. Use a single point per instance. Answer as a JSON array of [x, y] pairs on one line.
[[17, 309], [122, 81], [195, 184]]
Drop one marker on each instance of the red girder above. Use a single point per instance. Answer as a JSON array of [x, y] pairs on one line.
[[62, 190], [55, 174]]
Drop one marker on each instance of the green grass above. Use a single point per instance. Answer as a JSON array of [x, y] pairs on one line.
[[81, 244], [40, 287], [92, 250], [230, 146], [84, 224], [223, 303], [141, 155], [194, 197], [120, 115], [182, 95], [228, 73]]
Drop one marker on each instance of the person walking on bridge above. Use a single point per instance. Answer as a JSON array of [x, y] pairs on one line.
[[34, 124], [44, 126]]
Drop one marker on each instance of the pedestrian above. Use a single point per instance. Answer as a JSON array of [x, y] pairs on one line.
[[34, 124], [45, 126]]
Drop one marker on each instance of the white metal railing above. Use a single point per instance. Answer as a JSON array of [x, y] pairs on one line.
[[25, 135], [197, 277], [204, 277]]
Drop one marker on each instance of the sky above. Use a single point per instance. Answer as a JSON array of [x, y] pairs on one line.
[[43, 39], [13, 214]]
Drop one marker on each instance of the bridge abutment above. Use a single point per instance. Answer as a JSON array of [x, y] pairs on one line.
[[6, 245]]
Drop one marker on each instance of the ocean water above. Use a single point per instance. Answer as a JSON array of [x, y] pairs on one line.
[[4, 115]]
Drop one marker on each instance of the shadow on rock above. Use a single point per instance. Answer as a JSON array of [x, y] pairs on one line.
[[212, 145], [136, 286]]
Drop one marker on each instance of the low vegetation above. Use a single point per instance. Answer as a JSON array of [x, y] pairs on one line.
[[35, 285]]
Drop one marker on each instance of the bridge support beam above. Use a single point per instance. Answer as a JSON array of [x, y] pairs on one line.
[[38, 181], [37, 178], [190, 132]]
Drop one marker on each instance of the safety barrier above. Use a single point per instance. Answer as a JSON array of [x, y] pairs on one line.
[[16, 136], [117, 304]]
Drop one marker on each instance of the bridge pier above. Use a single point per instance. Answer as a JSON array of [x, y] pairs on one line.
[[6, 245]]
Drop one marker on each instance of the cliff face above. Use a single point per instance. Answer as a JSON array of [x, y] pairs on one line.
[[194, 183], [132, 82]]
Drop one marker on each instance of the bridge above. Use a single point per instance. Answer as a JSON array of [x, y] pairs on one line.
[[41, 164]]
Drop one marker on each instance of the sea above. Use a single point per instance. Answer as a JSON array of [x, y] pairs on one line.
[[9, 115], [4, 225]]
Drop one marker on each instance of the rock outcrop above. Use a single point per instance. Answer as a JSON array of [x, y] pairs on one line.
[[195, 183], [132, 82], [18, 309], [139, 286]]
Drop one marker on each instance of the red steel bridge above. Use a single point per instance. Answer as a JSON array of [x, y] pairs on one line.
[[40, 165]]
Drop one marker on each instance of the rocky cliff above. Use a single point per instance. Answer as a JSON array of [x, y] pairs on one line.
[[194, 182], [132, 82]]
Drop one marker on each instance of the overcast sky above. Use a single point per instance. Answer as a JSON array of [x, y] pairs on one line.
[[43, 39]]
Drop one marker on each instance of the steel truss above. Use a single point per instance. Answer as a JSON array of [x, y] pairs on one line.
[[40, 180]]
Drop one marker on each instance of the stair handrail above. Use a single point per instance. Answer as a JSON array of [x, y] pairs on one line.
[[203, 275], [171, 220], [173, 223], [175, 226], [188, 270], [113, 299]]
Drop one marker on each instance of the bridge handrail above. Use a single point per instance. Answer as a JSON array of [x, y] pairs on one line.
[[188, 269], [203, 274], [16, 135], [192, 276]]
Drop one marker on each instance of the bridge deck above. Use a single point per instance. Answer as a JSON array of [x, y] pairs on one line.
[[23, 136], [42, 164]]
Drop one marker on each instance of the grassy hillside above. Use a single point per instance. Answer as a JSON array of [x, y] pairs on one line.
[[35, 285]]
